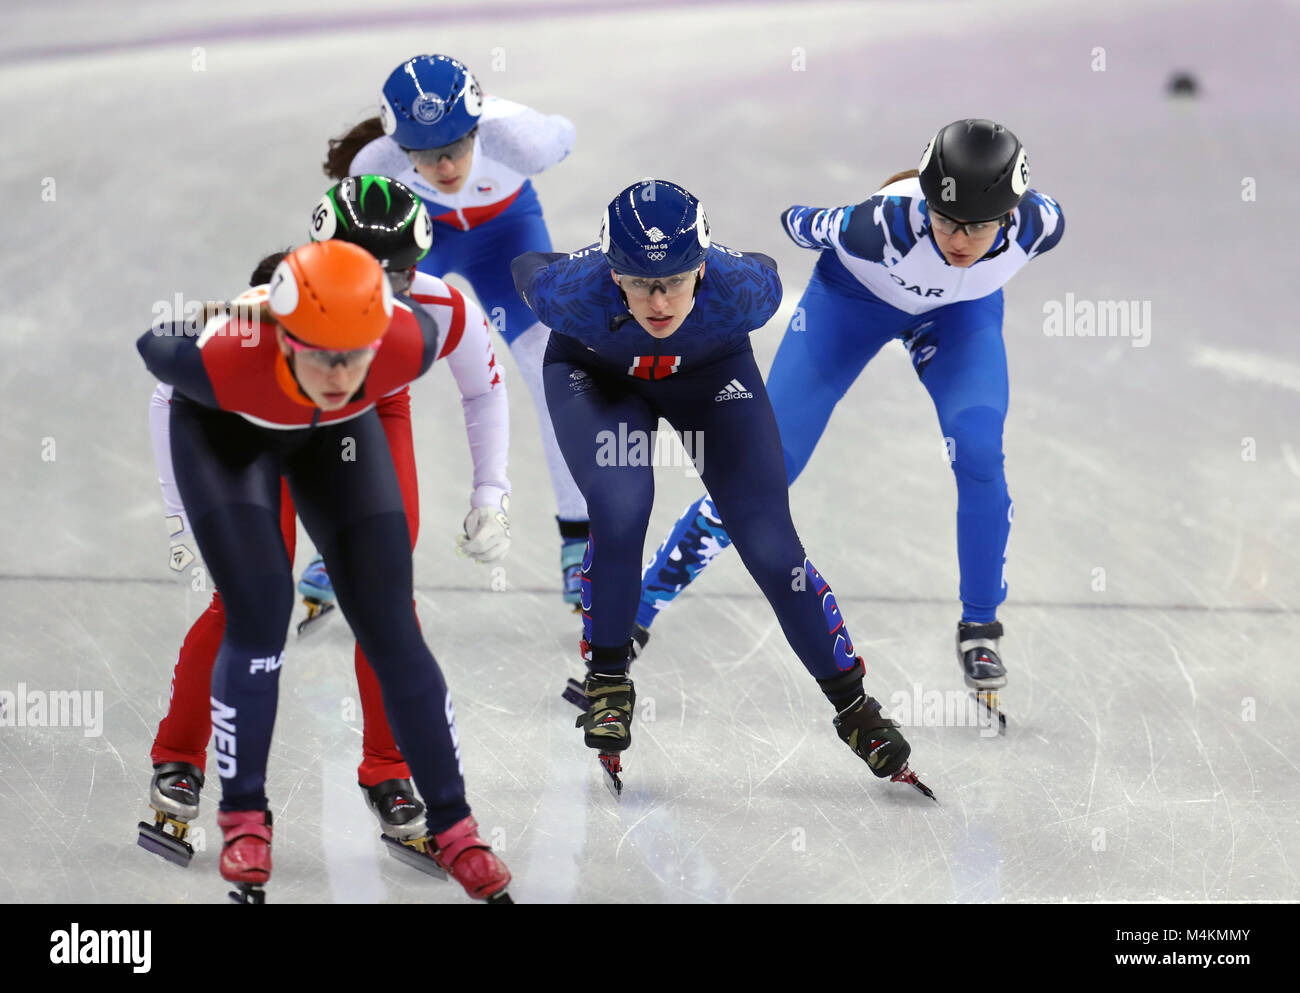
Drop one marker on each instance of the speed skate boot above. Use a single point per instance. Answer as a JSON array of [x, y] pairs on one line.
[[174, 797], [572, 552], [398, 809], [873, 737], [317, 593], [470, 860], [401, 819], [981, 666], [977, 653], [246, 852], [607, 723]]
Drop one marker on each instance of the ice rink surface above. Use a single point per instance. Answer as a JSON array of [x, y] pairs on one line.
[[1151, 626]]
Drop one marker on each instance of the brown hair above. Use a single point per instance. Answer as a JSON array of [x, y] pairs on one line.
[[905, 174], [265, 268], [338, 160], [226, 308]]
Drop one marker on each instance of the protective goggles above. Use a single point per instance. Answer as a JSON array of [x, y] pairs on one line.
[[971, 229], [644, 287], [325, 358], [457, 149]]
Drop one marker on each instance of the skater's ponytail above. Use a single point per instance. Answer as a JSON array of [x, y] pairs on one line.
[[338, 160], [905, 174], [259, 314], [244, 308]]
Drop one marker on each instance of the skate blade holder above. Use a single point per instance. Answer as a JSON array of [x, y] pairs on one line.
[[248, 893], [501, 897], [906, 775], [415, 853], [575, 694], [170, 845], [317, 611], [612, 764], [988, 703]]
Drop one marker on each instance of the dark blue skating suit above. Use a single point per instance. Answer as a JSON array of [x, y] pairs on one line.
[[607, 384]]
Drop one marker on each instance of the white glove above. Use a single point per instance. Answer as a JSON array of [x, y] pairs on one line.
[[184, 552], [487, 533]]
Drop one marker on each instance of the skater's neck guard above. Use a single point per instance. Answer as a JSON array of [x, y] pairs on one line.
[[288, 382], [289, 385]]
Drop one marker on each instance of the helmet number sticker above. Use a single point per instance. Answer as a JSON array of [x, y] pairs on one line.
[[283, 297], [925, 155], [423, 228], [323, 221], [1020, 175], [386, 119], [473, 97], [702, 227]]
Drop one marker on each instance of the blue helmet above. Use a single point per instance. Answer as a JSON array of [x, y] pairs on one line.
[[430, 100], [654, 228]]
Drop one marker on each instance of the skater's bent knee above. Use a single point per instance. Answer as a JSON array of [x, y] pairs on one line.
[[974, 443]]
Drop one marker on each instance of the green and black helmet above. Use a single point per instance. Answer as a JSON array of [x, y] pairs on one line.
[[381, 215]]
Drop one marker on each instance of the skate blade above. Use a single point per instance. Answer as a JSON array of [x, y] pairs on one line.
[[906, 775], [611, 764], [248, 893], [502, 897], [988, 699], [575, 694], [413, 857], [317, 611], [154, 839]]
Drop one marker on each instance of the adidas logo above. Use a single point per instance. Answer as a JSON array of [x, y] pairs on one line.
[[733, 391]]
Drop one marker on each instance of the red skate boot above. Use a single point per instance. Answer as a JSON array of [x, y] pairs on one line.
[[246, 852], [471, 862]]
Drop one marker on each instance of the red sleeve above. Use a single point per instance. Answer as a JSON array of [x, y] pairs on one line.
[[456, 302]]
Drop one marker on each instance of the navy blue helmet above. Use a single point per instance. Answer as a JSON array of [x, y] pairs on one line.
[[654, 228]]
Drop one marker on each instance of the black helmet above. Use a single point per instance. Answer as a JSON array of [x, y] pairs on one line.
[[380, 214], [974, 170]]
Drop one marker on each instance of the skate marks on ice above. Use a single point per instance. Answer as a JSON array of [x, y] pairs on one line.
[[1113, 782]]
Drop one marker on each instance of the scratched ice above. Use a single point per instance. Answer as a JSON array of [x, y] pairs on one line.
[[1153, 564]]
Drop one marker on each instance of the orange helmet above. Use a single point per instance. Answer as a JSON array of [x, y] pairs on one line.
[[332, 294]]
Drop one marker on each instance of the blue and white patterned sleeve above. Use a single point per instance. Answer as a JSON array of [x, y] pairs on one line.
[[1041, 223], [876, 230]]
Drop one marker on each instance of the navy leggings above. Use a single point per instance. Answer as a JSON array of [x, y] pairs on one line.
[[345, 489], [601, 416]]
